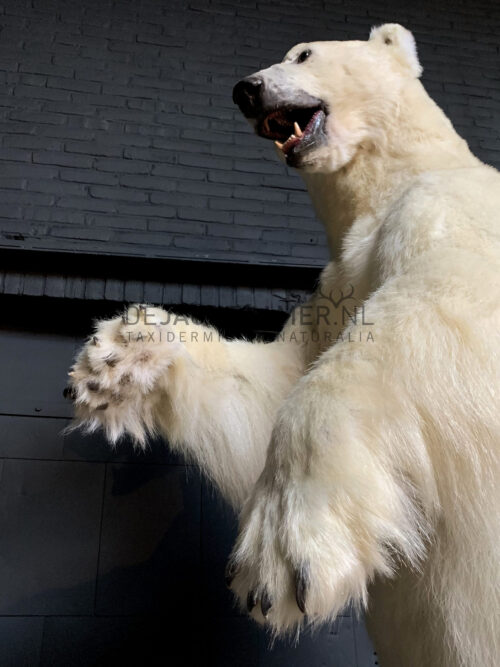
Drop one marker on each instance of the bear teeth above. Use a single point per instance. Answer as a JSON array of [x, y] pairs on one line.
[[297, 134]]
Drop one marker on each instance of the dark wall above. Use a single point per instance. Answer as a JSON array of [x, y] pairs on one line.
[[119, 133]]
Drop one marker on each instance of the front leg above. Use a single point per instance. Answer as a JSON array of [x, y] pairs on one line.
[[332, 507], [214, 400]]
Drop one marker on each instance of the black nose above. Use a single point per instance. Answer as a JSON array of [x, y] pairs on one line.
[[247, 94]]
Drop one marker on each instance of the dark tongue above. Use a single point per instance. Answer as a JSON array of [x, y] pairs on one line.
[[311, 132], [312, 124], [307, 134]]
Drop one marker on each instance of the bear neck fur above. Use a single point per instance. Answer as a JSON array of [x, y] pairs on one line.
[[420, 139]]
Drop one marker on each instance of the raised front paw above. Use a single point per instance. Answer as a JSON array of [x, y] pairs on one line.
[[298, 558], [120, 373]]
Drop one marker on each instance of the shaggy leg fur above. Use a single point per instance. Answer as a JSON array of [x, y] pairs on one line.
[[383, 455], [374, 469], [213, 399], [330, 509]]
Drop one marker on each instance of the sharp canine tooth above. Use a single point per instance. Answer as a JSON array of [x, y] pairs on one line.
[[278, 144], [297, 130]]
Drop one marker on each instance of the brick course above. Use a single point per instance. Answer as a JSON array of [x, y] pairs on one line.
[[118, 132]]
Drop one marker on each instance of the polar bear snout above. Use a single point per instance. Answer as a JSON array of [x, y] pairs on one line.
[[280, 111]]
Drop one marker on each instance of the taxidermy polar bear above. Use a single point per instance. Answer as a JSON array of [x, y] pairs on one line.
[[365, 467]]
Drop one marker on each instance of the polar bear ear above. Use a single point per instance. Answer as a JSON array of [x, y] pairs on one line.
[[402, 42]]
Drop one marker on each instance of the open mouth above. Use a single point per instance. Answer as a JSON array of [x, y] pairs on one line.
[[294, 130]]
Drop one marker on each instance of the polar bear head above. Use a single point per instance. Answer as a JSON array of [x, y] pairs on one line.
[[327, 99]]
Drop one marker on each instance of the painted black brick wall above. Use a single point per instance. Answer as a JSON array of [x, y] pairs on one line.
[[119, 134]]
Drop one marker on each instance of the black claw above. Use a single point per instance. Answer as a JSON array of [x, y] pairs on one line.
[[69, 392], [93, 386], [231, 572], [103, 406], [95, 340], [301, 586], [265, 603], [111, 360], [251, 600]]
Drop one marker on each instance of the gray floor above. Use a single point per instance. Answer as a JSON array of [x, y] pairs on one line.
[[117, 556]]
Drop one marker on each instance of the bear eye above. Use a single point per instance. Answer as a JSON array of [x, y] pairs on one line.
[[303, 56]]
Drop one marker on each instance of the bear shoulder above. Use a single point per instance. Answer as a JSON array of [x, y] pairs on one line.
[[456, 208]]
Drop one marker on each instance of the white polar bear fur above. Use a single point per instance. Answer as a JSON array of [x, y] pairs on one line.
[[373, 462]]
